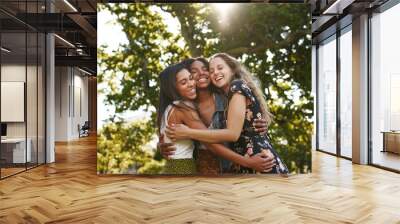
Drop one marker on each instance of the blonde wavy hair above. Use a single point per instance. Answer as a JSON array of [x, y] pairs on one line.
[[240, 72]]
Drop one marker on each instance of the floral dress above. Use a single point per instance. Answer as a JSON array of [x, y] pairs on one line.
[[250, 142]]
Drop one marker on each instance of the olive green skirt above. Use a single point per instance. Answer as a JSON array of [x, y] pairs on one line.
[[180, 166]]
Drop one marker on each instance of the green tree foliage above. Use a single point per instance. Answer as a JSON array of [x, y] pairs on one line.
[[272, 40], [131, 73], [120, 147]]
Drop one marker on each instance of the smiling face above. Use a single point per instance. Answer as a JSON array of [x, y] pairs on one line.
[[221, 74], [200, 73], [185, 85]]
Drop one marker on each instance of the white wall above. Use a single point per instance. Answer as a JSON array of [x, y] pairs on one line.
[[62, 81], [12, 73], [80, 110], [33, 127], [71, 94]]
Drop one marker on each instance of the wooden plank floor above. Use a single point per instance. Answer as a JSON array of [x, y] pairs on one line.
[[70, 191], [10, 171]]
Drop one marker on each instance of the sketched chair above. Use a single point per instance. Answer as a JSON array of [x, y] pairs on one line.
[[84, 130]]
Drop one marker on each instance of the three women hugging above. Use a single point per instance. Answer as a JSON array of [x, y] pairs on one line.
[[213, 119]]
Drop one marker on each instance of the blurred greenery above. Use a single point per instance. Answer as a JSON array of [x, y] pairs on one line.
[[120, 146], [272, 40]]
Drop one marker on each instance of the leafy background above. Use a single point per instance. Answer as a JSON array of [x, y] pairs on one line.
[[272, 40]]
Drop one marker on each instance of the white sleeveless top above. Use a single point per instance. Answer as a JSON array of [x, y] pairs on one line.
[[184, 148]]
